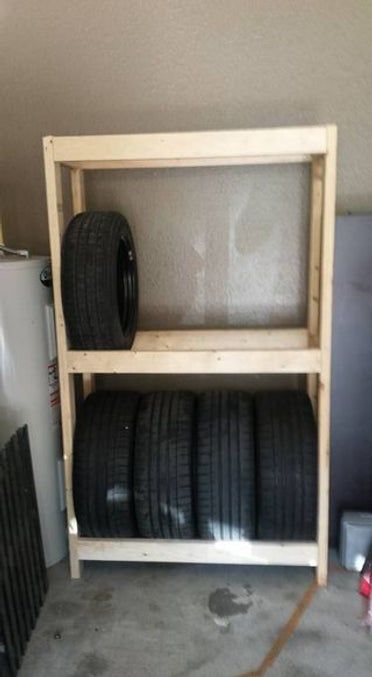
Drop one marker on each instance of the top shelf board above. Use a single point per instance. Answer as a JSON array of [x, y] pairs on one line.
[[190, 149]]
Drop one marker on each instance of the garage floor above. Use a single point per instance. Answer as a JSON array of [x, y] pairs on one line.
[[205, 621]]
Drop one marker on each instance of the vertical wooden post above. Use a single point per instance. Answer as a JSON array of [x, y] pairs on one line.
[[324, 388], [79, 205], [56, 227], [313, 308], [77, 190]]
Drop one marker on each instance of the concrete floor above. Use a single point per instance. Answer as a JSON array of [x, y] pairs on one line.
[[121, 620]]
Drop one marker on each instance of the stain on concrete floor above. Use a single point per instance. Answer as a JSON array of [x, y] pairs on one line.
[[101, 595], [65, 608], [92, 665], [226, 602]]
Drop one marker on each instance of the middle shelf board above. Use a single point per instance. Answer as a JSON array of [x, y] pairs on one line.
[[282, 361], [199, 551], [243, 351]]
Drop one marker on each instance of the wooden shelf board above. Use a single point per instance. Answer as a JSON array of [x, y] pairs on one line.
[[293, 144], [188, 162], [221, 339], [281, 361], [198, 551]]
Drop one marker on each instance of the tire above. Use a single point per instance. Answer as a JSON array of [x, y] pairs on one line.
[[99, 282], [225, 466], [103, 465], [163, 486], [4, 665], [286, 444]]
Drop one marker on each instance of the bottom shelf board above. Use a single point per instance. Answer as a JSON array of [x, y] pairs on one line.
[[199, 552]]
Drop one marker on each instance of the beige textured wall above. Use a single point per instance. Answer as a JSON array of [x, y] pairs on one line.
[[215, 246]]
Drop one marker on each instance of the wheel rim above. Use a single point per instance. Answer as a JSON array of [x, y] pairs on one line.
[[126, 285]]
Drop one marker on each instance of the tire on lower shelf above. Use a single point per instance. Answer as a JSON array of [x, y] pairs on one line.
[[163, 487], [225, 466], [286, 444], [99, 281], [103, 465]]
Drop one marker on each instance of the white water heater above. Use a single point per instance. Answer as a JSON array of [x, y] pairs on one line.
[[29, 388]]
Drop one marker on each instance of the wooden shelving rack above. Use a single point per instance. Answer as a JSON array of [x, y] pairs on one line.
[[303, 351]]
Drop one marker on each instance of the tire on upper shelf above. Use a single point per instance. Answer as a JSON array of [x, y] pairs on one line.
[[163, 482], [103, 465], [286, 447], [99, 282], [225, 466]]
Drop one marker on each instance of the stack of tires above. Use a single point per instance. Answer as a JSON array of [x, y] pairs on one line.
[[220, 466], [223, 465]]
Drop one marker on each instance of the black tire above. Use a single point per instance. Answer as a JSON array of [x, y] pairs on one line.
[[225, 466], [163, 486], [103, 465], [99, 282], [4, 665], [286, 443]]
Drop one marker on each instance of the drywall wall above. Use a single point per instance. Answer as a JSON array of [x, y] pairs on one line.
[[216, 246]]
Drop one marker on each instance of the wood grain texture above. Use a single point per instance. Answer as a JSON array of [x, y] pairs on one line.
[[198, 551], [66, 380], [210, 147], [324, 389], [281, 361]]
